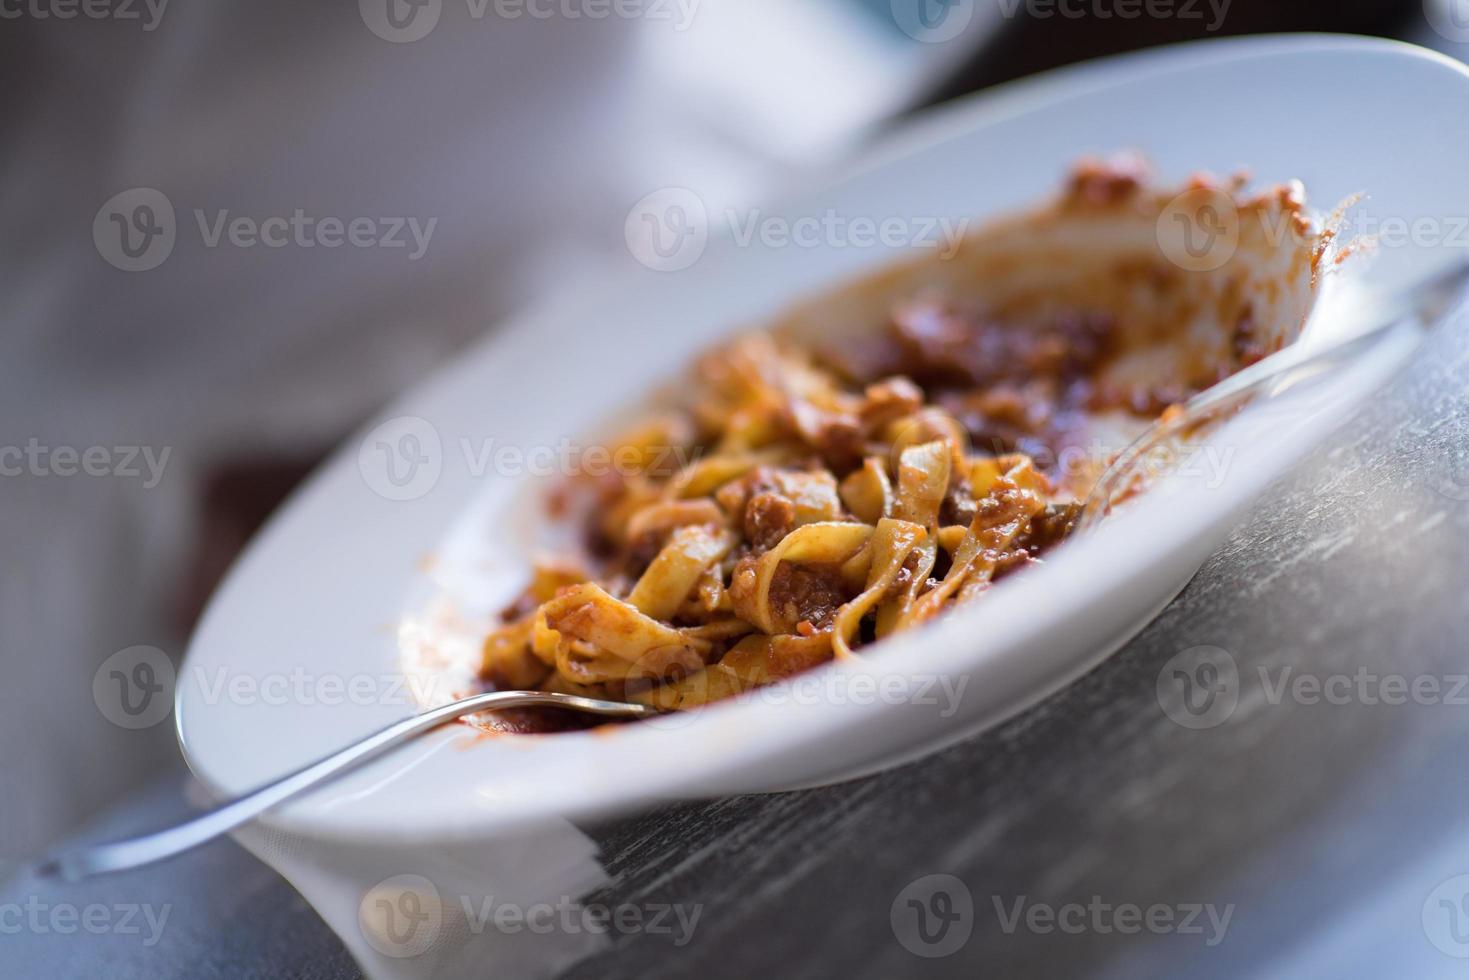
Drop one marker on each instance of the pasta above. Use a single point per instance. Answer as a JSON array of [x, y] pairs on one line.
[[801, 503], [811, 513]]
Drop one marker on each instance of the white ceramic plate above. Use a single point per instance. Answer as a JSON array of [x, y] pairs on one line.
[[299, 651]]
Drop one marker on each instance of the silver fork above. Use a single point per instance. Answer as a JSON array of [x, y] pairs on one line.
[[139, 851]]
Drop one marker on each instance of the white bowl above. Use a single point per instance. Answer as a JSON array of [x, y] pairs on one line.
[[299, 650]]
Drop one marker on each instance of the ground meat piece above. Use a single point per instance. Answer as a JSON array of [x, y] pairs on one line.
[[1050, 527], [1005, 503], [948, 348], [813, 491], [1000, 419], [890, 400], [809, 593], [525, 604], [769, 517], [639, 554], [859, 360], [839, 442], [940, 346], [735, 495], [958, 506]]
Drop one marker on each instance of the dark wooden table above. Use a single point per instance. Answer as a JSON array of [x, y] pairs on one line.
[[1322, 824]]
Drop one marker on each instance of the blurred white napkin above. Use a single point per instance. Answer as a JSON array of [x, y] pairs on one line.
[[519, 144], [508, 907]]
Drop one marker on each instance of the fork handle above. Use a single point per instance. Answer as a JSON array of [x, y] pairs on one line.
[[140, 851]]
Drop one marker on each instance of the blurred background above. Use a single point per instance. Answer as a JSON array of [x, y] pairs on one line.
[[167, 381]]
